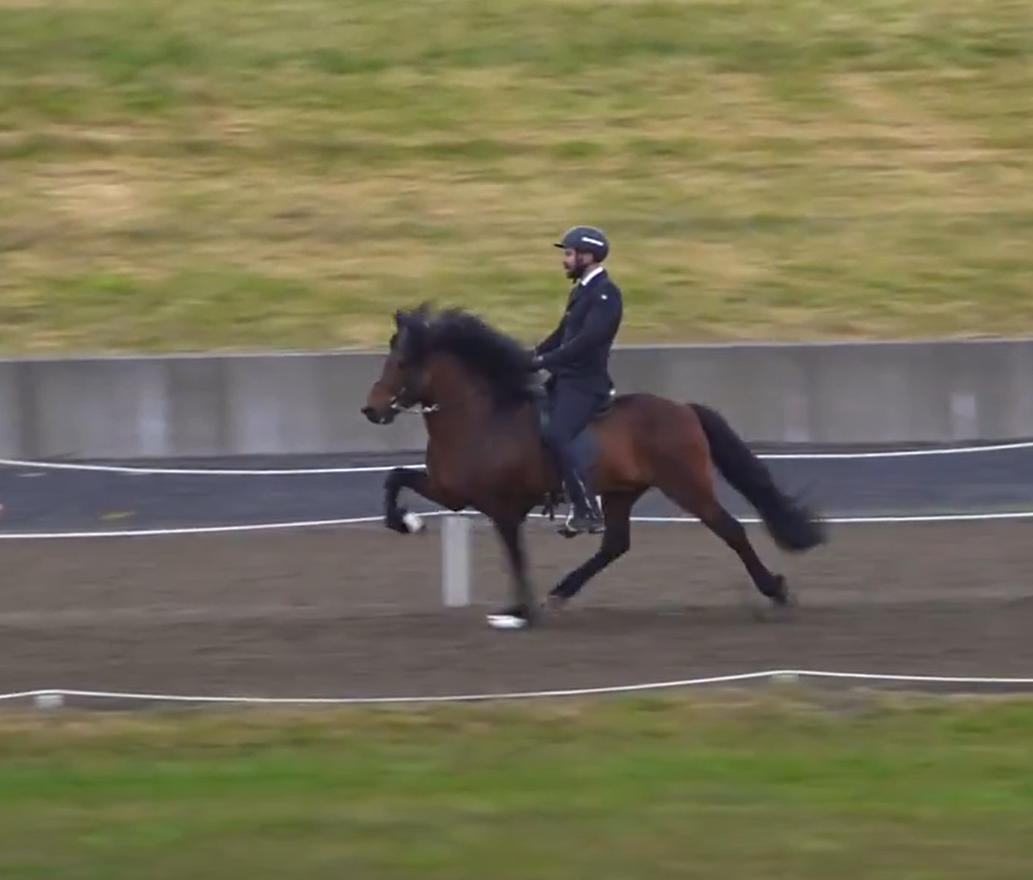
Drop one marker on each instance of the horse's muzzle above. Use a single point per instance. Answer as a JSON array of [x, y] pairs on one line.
[[378, 418]]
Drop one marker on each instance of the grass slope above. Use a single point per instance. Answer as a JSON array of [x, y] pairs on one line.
[[197, 174], [648, 788]]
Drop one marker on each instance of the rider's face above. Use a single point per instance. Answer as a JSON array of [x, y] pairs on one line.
[[573, 263]]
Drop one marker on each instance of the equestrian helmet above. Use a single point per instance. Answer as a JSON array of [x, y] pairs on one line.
[[589, 239]]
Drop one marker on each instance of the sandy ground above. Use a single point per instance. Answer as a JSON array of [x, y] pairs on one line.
[[356, 611]]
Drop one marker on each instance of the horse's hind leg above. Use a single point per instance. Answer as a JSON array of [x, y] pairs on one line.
[[615, 543], [702, 502], [731, 531]]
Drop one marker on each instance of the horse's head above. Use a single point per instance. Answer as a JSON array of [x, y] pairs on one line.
[[443, 354], [403, 378]]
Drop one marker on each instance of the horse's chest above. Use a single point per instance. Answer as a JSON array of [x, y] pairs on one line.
[[452, 467], [472, 462]]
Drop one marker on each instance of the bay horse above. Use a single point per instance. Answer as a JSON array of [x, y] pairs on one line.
[[473, 385]]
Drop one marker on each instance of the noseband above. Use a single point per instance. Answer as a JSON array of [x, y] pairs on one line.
[[412, 409]]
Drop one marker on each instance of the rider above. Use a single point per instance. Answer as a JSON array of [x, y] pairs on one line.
[[577, 353]]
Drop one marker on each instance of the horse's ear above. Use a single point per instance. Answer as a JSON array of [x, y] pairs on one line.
[[401, 319]]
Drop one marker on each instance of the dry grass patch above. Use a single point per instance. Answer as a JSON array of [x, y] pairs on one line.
[[189, 175]]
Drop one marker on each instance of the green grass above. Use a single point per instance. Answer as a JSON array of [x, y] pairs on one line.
[[658, 788], [254, 173]]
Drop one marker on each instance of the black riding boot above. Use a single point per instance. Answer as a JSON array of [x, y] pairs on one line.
[[587, 516]]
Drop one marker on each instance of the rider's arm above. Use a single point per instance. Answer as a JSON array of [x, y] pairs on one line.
[[602, 320], [552, 340]]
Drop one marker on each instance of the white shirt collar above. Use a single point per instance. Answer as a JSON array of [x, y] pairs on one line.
[[590, 274]]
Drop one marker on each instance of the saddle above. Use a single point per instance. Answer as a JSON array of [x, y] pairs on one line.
[[541, 392]]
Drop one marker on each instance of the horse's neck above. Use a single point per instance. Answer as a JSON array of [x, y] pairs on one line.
[[464, 419], [466, 413], [456, 414]]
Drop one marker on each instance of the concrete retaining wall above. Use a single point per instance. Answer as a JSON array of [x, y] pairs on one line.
[[207, 405]]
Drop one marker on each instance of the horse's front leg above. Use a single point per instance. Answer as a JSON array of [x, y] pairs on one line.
[[399, 519], [522, 612]]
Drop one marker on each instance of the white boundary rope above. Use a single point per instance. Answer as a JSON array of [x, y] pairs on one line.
[[201, 472], [198, 530], [363, 520], [378, 469], [55, 696]]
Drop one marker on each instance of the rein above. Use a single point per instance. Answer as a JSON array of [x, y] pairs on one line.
[[417, 409]]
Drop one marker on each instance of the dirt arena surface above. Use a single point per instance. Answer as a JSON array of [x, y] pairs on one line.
[[356, 611]]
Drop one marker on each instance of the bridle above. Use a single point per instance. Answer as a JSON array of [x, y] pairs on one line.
[[418, 409]]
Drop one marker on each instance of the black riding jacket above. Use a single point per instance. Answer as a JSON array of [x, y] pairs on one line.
[[578, 350]]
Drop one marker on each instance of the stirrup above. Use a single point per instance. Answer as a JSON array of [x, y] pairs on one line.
[[597, 522], [591, 525], [567, 530]]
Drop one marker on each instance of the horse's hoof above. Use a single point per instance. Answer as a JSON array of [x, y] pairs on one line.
[[555, 602], [511, 619], [396, 525], [404, 522], [779, 593], [413, 522], [507, 621]]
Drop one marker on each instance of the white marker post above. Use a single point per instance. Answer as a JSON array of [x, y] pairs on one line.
[[455, 560]]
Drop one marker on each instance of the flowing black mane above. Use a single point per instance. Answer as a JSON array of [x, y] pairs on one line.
[[497, 358]]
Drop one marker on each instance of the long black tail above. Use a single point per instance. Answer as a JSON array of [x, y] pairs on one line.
[[789, 522]]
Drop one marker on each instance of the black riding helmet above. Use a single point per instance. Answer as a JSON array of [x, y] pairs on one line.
[[588, 239]]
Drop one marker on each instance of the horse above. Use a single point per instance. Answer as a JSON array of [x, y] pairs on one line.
[[483, 415]]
